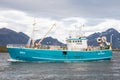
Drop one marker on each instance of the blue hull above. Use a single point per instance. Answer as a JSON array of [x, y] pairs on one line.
[[38, 55]]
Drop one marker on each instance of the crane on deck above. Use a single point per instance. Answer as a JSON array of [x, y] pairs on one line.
[[39, 42]]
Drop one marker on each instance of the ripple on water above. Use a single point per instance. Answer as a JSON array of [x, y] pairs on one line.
[[94, 70]]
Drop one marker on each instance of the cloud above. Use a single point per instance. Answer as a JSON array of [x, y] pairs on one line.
[[103, 26], [22, 22], [65, 8]]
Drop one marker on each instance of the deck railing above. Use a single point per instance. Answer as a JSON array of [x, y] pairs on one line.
[[16, 46]]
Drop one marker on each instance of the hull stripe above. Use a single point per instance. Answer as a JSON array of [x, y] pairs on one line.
[[70, 59]]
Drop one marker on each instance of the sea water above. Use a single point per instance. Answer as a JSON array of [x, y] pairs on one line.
[[90, 70]]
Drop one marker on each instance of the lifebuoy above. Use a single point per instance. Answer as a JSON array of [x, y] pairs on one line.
[[99, 40]]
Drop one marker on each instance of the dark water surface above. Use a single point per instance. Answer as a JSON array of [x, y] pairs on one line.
[[93, 70]]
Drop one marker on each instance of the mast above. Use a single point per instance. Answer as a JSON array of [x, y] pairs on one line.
[[33, 33], [31, 37]]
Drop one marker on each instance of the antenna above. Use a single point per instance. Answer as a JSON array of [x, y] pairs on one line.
[[79, 30]]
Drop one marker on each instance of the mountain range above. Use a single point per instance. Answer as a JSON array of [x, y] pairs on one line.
[[8, 36], [111, 34]]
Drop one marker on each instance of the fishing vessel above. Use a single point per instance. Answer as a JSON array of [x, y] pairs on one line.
[[76, 50]]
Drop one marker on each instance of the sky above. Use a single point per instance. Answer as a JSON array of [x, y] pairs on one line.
[[95, 15]]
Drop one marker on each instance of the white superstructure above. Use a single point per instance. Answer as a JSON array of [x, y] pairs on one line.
[[77, 43]]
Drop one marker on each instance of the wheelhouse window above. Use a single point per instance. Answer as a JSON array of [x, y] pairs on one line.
[[69, 41]]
